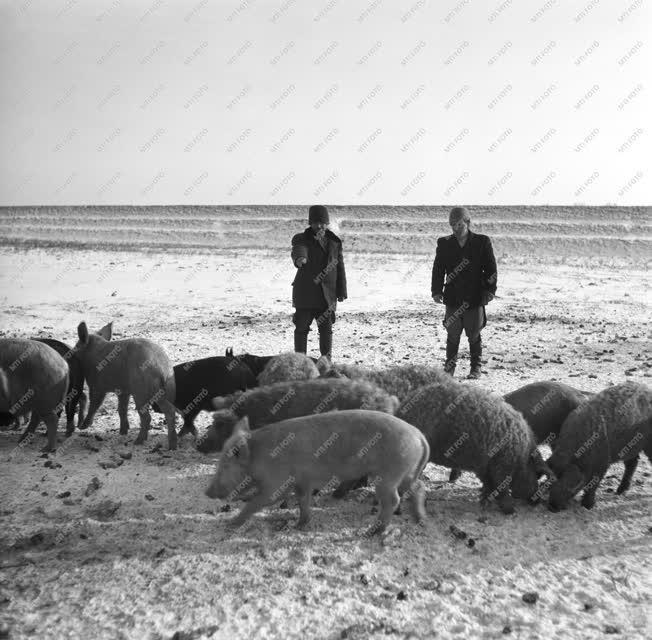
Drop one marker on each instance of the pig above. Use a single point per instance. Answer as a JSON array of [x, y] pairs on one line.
[[544, 405], [288, 366], [469, 428], [197, 382], [615, 425], [255, 363], [283, 400], [133, 366], [33, 378], [323, 450], [75, 397]]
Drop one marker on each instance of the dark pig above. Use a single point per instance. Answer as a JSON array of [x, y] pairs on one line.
[[197, 382]]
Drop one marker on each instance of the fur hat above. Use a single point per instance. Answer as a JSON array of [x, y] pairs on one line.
[[318, 213]]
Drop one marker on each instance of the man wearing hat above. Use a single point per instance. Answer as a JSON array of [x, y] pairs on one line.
[[320, 282], [466, 261]]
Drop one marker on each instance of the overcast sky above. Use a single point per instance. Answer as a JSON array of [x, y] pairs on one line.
[[340, 102]]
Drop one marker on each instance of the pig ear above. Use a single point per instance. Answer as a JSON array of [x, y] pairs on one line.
[[106, 331], [242, 426], [82, 332]]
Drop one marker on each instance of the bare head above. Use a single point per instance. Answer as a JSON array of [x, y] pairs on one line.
[[460, 221], [231, 479]]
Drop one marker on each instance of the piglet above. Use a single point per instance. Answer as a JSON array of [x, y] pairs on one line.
[[133, 366], [322, 451]]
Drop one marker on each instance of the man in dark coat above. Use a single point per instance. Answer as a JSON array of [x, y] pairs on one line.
[[466, 260], [320, 282]]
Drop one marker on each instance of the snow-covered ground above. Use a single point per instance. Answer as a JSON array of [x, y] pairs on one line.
[[141, 552]]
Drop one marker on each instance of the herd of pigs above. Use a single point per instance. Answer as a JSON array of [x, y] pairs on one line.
[[291, 422]]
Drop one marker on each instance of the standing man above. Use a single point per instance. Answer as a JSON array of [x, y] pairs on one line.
[[466, 260], [320, 282]]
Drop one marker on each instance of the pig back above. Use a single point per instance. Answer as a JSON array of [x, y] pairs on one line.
[[131, 364], [545, 405], [36, 376], [346, 444], [218, 375], [602, 430]]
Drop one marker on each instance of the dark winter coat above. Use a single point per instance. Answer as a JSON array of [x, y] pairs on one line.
[[322, 280], [469, 270]]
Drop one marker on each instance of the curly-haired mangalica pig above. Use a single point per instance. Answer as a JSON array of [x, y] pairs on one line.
[[321, 451], [469, 428], [544, 405], [292, 399], [133, 366], [33, 377], [614, 425]]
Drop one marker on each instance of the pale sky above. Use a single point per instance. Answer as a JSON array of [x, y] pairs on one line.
[[340, 102]]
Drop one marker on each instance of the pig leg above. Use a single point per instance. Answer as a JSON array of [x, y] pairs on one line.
[[588, 498], [501, 492], [253, 506], [145, 421], [51, 421], [31, 427], [590, 488], [83, 403], [304, 495], [170, 417], [70, 416], [97, 398], [630, 467], [388, 498], [123, 407], [417, 495]]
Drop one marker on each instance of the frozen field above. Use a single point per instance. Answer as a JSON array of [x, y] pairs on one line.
[[142, 552]]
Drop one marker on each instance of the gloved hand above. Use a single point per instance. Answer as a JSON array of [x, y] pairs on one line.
[[299, 262], [438, 298]]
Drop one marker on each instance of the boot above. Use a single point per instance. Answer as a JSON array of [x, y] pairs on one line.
[[326, 344], [452, 346], [476, 355], [300, 342]]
